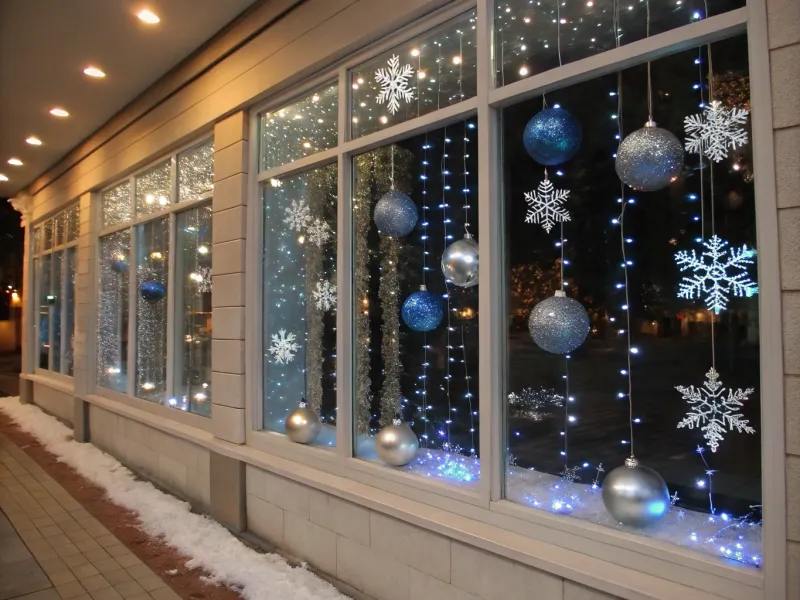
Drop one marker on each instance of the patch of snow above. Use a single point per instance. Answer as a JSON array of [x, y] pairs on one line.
[[209, 546]]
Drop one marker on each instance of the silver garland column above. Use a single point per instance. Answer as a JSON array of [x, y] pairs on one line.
[[389, 294]]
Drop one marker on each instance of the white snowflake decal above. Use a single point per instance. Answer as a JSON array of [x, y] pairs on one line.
[[319, 232], [713, 412], [713, 131], [283, 347], [726, 273], [298, 215], [570, 474], [325, 295], [394, 84], [545, 205], [202, 276]]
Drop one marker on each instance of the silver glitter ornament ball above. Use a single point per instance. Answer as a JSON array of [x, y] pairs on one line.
[[396, 444], [635, 495], [649, 159], [395, 214], [460, 262], [558, 324], [303, 425]]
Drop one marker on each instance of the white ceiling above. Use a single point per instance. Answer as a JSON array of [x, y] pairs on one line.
[[46, 44]]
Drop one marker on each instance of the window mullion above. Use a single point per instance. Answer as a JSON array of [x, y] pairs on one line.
[[171, 316], [345, 342]]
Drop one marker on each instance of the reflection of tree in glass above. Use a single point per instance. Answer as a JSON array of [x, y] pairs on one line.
[[530, 284], [534, 404]]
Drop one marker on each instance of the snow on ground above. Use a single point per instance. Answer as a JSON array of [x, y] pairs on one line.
[[210, 546]]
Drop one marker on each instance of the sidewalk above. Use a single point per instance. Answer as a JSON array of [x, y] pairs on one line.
[[51, 548]]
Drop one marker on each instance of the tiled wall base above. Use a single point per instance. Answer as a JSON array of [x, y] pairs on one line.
[[176, 465], [384, 557]]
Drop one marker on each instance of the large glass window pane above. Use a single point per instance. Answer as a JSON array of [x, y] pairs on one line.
[[117, 207], [56, 303], [417, 349], [69, 310], [193, 311], [60, 229], [532, 37], [38, 239], [300, 299], [112, 311], [196, 172], [153, 190], [73, 217], [306, 126], [43, 279], [666, 281], [152, 265], [432, 71], [48, 234]]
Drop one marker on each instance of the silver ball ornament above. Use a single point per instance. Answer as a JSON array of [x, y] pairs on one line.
[[558, 324], [395, 214], [460, 262], [396, 444], [303, 425], [649, 159], [635, 495]]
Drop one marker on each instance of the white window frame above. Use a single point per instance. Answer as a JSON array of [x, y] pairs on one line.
[[36, 256], [616, 548], [170, 211]]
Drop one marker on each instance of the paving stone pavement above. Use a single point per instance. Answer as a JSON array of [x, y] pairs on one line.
[[51, 548]]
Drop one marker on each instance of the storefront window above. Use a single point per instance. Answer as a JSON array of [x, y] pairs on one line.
[[152, 266], [44, 302], [533, 37], [417, 324], [117, 206], [299, 285], [300, 129], [153, 190], [112, 311], [196, 172], [69, 310], [193, 306], [654, 349], [55, 301], [432, 71]]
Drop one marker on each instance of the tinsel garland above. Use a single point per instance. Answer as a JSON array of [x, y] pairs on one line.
[[389, 295], [362, 211], [321, 181]]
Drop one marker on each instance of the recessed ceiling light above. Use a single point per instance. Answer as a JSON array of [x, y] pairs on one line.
[[59, 112], [148, 17], [15, 161], [93, 72], [34, 141], [3, 177]]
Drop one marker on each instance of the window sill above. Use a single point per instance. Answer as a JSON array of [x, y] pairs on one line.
[[63, 383], [151, 413]]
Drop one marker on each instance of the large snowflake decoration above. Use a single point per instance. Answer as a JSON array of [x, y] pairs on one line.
[[283, 347], [714, 412], [716, 129], [325, 295], [570, 474], [298, 215], [545, 205], [726, 273], [394, 84], [319, 232]]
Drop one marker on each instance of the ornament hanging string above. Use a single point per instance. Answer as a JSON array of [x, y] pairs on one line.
[[649, 78], [424, 259], [445, 220]]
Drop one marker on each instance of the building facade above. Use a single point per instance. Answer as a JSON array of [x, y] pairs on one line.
[[264, 295]]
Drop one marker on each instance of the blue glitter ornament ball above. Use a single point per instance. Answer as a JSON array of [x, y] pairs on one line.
[[119, 265], [558, 324], [395, 214], [422, 310], [152, 291], [552, 136]]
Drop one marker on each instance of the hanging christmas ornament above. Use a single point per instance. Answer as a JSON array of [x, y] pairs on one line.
[[635, 495], [152, 291], [303, 425], [395, 214], [119, 265], [552, 136], [545, 205], [558, 324], [396, 444], [422, 310], [649, 159], [716, 129], [460, 262]]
